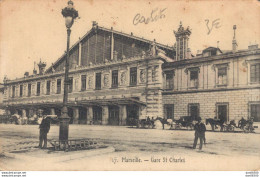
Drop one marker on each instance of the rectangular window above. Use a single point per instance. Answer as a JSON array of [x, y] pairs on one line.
[[29, 89], [83, 82], [38, 88], [194, 110], [222, 76], [169, 80], [48, 87], [115, 79], [255, 73], [21, 90], [133, 76], [13, 91], [169, 111], [194, 77], [255, 112], [98, 81], [58, 86], [70, 85]]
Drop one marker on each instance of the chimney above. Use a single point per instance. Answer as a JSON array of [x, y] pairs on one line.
[[234, 42], [41, 66], [26, 74], [188, 54], [94, 24], [34, 70], [253, 46]]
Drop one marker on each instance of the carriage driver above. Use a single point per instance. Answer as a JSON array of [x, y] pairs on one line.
[[200, 129]]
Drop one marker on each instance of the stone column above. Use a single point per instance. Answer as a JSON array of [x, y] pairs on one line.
[[53, 111], [75, 115], [90, 115], [122, 115], [24, 121], [23, 113], [105, 113]]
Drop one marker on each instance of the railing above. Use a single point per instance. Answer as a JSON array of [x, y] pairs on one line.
[[74, 144]]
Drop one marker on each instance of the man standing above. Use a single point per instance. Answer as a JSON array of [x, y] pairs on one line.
[[200, 129], [44, 130]]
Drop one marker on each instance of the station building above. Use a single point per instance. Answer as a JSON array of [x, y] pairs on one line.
[[115, 77]]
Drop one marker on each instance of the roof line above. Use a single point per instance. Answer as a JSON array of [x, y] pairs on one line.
[[108, 30]]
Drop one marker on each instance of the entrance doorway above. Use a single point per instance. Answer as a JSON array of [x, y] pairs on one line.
[[82, 115], [97, 115], [222, 112], [132, 114], [113, 118]]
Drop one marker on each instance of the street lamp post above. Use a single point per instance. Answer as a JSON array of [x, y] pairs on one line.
[[69, 13]]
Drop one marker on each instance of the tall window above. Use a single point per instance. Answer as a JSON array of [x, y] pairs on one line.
[[21, 90], [255, 73], [83, 82], [58, 86], [169, 111], [222, 76], [70, 89], [29, 89], [38, 88], [48, 87], [194, 110], [169, 80], [13, 91], [133, 76], [194, 78], [98, 81], [115, 79], [255, 111]]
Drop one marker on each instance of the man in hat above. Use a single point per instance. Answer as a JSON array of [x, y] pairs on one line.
[[200, 129], [44, 130]]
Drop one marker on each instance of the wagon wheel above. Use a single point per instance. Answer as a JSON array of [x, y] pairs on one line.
[[177, 126], [190, 127], [231, 129], [246, 129]]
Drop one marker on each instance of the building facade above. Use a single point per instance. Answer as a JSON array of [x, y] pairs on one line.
[[116, 77]]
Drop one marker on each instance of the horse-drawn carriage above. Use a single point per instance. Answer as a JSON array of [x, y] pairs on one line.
[[158, 122], [187, 122], [243, 124]]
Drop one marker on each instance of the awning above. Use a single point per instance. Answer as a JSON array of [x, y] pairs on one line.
[[94, 102], [112, 101]]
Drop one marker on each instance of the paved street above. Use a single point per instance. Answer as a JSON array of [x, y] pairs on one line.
[[157, 149]]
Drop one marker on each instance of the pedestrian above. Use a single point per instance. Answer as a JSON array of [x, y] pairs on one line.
[[44, 130], [200, 129]]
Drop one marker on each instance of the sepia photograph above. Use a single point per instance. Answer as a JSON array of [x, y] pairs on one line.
[[128, 85]]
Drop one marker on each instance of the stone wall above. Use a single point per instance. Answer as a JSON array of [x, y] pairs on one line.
[[238, 102]]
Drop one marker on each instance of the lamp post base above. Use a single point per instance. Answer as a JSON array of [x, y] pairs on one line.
[[64, 127]]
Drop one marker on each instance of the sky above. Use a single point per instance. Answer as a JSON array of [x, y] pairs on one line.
[[31, 30]]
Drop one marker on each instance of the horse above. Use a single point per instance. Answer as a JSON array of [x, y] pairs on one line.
[[162, 120], [214, 122]]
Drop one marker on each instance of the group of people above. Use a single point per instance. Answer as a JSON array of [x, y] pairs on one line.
[[199, 128]]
